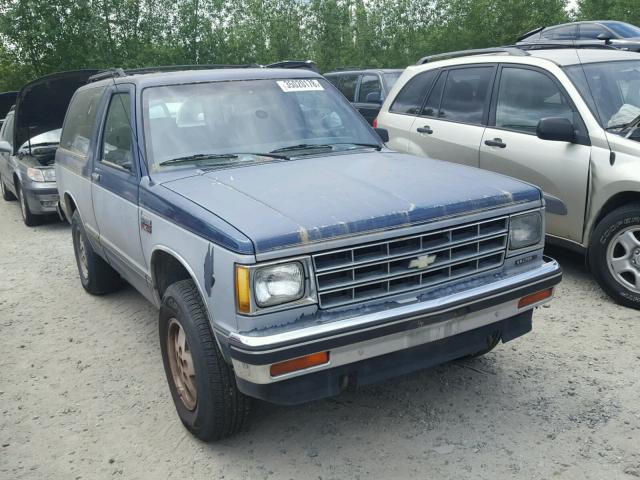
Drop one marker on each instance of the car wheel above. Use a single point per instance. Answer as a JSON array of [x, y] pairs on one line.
[[202, 384], [6, 194], [96, 275], [30, 220], [614, 255]]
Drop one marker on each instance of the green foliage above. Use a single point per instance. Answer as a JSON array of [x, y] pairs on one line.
[[42, 36]]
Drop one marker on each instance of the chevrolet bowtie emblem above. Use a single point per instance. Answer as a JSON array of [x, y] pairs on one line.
[[422, 262]]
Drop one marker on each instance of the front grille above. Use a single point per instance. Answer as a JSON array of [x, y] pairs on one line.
[[403, 264]]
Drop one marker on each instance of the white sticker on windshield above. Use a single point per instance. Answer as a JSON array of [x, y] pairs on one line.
[[301, 85]]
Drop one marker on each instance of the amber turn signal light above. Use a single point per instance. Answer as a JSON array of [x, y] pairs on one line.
[[535, 297], [243, 295], [299, 363]]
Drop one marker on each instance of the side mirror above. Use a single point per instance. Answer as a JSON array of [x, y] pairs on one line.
[[5, 147], [604, 36], [383, 133], [373, 97], [557, 129]]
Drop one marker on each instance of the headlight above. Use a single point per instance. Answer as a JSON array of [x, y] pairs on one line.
[[278, 284], [525, 230], [41, 174]]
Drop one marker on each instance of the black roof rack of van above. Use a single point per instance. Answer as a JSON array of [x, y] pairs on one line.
[[555, 45], [529, 33], [119, 72], [511, 50]]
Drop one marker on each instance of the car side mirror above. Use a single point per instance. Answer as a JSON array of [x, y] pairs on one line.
[[5, 147], [383, 133], [558, 129], [373, 97], [604, 36]]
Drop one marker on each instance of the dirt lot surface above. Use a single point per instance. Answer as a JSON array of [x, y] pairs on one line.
[[83, 393]]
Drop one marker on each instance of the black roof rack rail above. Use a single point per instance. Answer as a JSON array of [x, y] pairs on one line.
[[574, 44], [529, 33], [305, 64], [511, 50], [110, 73]]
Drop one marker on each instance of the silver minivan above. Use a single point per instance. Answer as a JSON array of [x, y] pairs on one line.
[[563, 119]]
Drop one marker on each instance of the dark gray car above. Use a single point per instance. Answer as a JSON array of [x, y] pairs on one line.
[[29, 139], [616, 34], [365, 89]]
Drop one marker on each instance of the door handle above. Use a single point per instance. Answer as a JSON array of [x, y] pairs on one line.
[[425, 129], [496, 142], [95, 176]]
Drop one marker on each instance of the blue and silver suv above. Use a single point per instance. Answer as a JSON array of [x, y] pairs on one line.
[[290, 253]]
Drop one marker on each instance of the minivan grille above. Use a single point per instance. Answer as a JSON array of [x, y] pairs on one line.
[[378, 269]]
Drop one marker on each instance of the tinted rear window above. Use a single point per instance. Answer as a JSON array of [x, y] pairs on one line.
[[465, 94], [347, 86], [410, 98], [78, 125]]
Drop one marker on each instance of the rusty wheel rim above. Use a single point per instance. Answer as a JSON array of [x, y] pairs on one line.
[[181, 363]]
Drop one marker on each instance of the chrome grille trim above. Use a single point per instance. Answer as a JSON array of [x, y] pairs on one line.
[[378, 269]]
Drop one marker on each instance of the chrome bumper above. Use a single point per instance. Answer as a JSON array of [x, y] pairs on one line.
[[371, 335]]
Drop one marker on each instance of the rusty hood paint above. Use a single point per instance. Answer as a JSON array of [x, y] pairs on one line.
[[283, 204]]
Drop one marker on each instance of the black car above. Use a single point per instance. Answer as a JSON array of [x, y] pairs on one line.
[[617, 34], [365, 88], [7, 99]]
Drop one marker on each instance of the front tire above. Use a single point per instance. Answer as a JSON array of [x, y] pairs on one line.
[[6, 194], [30, 220], [202, 384], [96, 275], [614, 255]]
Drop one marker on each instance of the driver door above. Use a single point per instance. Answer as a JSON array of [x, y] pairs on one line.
[[114, 189]]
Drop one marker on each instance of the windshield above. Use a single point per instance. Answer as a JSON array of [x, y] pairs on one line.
[[612, 91], [391, 78], [625, 30], [227, 123]]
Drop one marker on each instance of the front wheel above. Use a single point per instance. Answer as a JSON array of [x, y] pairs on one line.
[[30, 220], [202, 384], [614, 255], [6, 194]]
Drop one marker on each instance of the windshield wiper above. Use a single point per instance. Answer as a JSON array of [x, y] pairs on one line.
[[625, 125], [198, 158], [320, 146]]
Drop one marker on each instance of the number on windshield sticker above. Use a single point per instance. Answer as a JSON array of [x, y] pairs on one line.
[[299, 85]]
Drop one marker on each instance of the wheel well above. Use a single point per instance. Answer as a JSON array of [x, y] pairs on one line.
[[618, 200], [16, 182], [166, 270], [70, 204]]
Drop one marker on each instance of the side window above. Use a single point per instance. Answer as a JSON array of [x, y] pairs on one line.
[[592, 30], [566, 32], [78, 124], [369, 84], [347, 86], [465, 94], [432, 106], [7, 132], [116, 145], [409, 99], [525, 96], [333, 79]]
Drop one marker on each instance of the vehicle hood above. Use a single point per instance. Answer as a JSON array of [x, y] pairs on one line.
[[42, 104], [283, 204], [7, 100]]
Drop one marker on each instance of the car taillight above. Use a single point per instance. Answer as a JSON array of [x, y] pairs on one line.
[[375, 122]]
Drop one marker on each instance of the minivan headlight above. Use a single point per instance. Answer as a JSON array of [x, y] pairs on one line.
[[41, 174], [278, 284], [525, 230]]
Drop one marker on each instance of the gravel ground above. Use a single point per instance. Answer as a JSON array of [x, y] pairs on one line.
[[83, 393]]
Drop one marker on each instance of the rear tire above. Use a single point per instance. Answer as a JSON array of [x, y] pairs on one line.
[[6, 194], [202, 384], [30, 220], [614, 255], [96, 275], [492, 342]]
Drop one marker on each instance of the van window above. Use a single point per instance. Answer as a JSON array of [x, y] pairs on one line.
[[347, 86], [369, 84], [78, 123], [409, 100], [7, 132], [117, 137], [465, 94], [432, 106]]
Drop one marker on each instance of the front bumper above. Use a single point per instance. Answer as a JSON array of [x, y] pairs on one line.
[[356, 345], [42, 197]]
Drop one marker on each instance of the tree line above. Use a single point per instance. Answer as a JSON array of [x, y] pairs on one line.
[[38, 37]]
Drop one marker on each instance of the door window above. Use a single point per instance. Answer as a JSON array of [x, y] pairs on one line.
[[409, 100], [432, 105], [79, 120], [348, 85], [117, 138], [465, 94], [526, 96], [7, 132], [566, 32], [369, 84], [592, 30]]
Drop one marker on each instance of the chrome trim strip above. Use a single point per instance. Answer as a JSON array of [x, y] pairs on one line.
[[403, 313]]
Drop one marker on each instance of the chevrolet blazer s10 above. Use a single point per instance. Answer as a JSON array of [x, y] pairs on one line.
[[290, 253]]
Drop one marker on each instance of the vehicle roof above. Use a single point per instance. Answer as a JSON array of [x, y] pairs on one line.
[[154, 79], [360, 70]]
